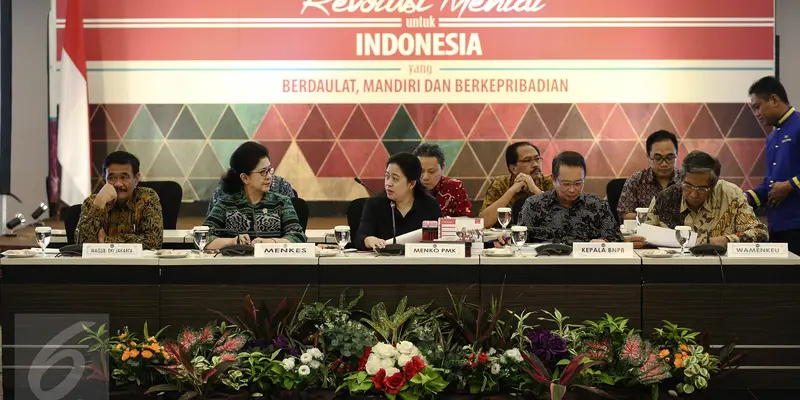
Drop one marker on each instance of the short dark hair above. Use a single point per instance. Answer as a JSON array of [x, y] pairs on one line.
[[660, 136], [121, 158], [511, 152], [699, 162], [570, 159], [412, 169], [243, 160], [430, 150], [768, 86]]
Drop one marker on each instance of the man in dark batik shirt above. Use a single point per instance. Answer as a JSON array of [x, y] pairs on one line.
[[641, 187], [566, 214], [449, 193]]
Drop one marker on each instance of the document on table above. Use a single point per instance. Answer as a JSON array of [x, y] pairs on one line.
[[663, 237], [410, 237]]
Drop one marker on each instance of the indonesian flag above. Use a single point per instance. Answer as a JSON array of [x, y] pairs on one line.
[[74, 152]]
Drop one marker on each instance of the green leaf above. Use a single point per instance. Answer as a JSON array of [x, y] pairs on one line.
[[167, 387], [557, 391], [144, 330], [188, 395]]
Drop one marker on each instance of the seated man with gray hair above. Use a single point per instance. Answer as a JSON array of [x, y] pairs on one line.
[[710, 206]]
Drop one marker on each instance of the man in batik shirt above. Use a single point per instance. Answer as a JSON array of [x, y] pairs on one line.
[[450, 193], [122, 212], [641, 187], [566, 214], [524, 163], [710, 206]]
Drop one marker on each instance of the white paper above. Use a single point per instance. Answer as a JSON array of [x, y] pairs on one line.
[[410, 237], [663, 237]]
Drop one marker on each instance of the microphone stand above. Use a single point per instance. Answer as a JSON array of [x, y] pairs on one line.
[[360, 182]]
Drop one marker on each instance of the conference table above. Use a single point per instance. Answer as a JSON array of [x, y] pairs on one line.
[[754, 301], [182, 238]]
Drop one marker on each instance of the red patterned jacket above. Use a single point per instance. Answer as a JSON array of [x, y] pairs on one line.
[[452, 198]]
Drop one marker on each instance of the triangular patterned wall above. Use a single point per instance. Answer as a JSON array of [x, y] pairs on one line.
[[319, 148]]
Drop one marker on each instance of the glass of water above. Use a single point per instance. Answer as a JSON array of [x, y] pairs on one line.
[[682, 234], [518, 235], [342, 235], [200, 237], [43, 234], [641, 215], [504, 216]]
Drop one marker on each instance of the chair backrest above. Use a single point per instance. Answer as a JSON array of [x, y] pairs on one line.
[[354, 211], [516, 210], [71, 215], [613, 192], [301, 208], [170, 194]]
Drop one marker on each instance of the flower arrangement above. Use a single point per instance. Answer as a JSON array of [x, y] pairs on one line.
[[303, 372], [395, 370]]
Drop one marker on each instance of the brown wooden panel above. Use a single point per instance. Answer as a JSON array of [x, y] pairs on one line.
[[696, 306], [392, 294], [763, 314], [579, 302], [188, 305]]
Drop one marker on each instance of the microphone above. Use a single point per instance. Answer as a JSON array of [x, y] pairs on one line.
[[708, 249], [360, 182], [393, 249]]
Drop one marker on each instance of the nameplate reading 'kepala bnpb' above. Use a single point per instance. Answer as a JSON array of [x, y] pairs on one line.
[[442, 250], [758, 250], [112, 250], [284, 250], [602, 250]]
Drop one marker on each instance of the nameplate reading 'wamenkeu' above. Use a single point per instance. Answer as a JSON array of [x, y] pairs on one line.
[[112, 250], [602, 250], [443, 250], [758, 250], [285, 250]]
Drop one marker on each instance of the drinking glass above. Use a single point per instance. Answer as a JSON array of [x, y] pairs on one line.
[[641, 215], [342, 236], [43, 234], [682, 234], [518, 236], [504, 216], [200, 237]]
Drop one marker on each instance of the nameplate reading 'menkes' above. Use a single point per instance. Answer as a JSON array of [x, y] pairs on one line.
[[602, 250], [284, 250], [443, 250], [758, 250], [112, 250]]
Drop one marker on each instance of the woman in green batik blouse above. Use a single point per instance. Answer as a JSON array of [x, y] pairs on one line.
[[247, 212]]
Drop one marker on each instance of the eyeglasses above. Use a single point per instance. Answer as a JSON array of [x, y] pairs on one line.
[[122, 178], [690, 188], [659, 159], [264, 172], [530, 160], [568, 185]]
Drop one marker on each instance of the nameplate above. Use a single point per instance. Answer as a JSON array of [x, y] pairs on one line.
[[758, 250], [443, 250], [284, 250], [602, 250], [112, 250]]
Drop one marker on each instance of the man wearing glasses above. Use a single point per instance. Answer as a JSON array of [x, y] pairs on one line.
[[566, 214], [524, 163], [710, 206], [642, 186], [122, 212]]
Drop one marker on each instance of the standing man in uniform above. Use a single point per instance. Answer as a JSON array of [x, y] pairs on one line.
[[779, 194]]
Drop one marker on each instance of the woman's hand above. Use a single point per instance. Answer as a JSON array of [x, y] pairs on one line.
[[242, 239], [372, 242]]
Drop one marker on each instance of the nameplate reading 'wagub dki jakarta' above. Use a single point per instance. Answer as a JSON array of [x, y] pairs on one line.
[[602, 250], [112, 250], [758, 250], [441, 250], [284, 250]]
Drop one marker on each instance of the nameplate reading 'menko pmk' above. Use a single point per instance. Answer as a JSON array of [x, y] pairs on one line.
[[602, 250], [442, 250], [285, 250]]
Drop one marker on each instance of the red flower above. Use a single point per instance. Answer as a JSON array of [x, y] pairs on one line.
[[377, 379], [483, 359], [362, 363], [393, 384], [413, 367]]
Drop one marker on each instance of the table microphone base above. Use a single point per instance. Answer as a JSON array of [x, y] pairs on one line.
[[392, 250]]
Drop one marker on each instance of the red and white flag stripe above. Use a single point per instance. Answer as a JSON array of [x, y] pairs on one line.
[[74, 151]]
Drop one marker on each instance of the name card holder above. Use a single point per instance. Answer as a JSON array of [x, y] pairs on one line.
[[758, 250], [439, 250], [112, 250], [284, 250], [602, 250]]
